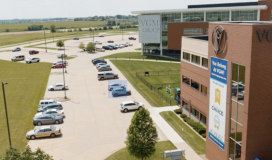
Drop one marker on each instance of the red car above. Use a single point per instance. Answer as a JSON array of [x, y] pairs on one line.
[[59, 65], [33, 52]]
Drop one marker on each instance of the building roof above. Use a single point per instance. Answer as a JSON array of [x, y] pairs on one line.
[[223, 5]]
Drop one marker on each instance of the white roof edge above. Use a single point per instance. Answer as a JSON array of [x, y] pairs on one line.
[[255, 7]]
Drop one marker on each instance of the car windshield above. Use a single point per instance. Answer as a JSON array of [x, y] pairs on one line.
[[136, 102], [36, 130], [29, 58], [53, 127], [14, 56], [54, 85]]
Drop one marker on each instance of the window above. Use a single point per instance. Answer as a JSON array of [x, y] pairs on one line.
[[172, 17], [204, 62], [204, 90], [203, 119], [194, 112], [249, 15], [186, 56], [186, 80], [217, 16], [193, 17], [185, 105], [194, 85], [192, 31], [207, 31], [196, 59]]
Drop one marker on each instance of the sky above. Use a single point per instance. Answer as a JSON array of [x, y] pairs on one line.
[[23, 9]]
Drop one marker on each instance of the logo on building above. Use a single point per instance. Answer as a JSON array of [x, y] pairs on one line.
[[217, 96], [216, 122], [218, 39]]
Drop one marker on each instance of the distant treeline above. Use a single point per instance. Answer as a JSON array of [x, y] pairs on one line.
[[35, 27], [106, 18]]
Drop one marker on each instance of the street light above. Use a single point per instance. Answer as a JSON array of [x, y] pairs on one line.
[[3, 83], [63, 72], [44, 40]]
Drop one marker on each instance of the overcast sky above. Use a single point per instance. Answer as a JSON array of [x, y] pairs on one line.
[[10, 9]]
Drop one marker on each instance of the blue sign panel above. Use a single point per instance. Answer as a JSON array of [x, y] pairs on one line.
[[219, 68]]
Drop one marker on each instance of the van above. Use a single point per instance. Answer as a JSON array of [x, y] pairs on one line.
[[47, 102], [18, 58], [50, 106]]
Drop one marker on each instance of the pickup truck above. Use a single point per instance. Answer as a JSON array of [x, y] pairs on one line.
[[107, 75]]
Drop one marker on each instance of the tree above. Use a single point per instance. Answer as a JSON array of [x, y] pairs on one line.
[[53, 30], [90, 29], [26, 154], [118, 24], [90, 47], [7, 30], [60, 43], [81, 45], [105, 28], [79, 29], [109, 23], [113, 23], [141, 135]]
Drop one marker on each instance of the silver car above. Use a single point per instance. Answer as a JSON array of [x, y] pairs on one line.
[[54, 112], [45, 131], [115, 85], [104, 69], [105, 65], [47, 119]]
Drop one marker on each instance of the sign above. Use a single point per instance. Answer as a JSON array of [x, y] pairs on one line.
[[266, 34], [149, 28], [218, 101], [218, 39]]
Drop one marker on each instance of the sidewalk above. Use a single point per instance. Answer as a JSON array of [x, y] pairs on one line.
[[170, 133]]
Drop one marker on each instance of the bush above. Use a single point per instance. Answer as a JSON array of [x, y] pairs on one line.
[[191, 122], [203, 135], [186, 119], [177, 111], [202, 131], [183, 116]]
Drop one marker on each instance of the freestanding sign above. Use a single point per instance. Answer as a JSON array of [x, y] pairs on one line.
[[218, 101], [149, 28]]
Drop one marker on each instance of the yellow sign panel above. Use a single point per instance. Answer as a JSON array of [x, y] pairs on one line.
[[217, 95]]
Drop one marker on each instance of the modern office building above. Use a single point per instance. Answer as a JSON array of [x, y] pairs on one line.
[[194, 20]]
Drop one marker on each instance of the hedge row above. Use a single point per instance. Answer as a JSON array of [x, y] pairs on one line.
[[195, 125], [178, 111]]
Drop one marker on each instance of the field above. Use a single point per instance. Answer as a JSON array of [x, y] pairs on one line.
[[19, 27], [129, 69], [160, 148], [26, 86]]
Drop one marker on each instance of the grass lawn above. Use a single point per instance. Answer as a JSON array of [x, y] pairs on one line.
[[188, 135], [26, 87], [138, 49], [160, 148], [136, 55], [129, 69], [71, 57]]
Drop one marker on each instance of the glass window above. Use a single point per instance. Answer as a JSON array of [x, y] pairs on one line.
[[194, 85], [207, 31], [194, 112], [231, 149], [196, 59], [172, 17], [240, 113], [249, 15], [185, 105], [203, 118], [186, 56], [193, 17], [192, 31], [242, 72], [204, 62], [239, 133], [235, 72], [203, 89], [186, 80], [232, 129], [217, 16], [233, 109]]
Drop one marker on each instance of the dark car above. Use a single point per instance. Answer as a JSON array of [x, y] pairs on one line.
[[113, 47], [51, 106], [107, 48], [110, 41], [101, 35], [99, 61], [76, 38], [132, 38], [47, 119], [33, 52], [95, 59]]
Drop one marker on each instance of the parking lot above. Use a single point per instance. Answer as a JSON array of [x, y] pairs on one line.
[[94, 127]]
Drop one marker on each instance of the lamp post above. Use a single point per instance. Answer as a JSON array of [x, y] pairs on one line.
[[3, 83], [64, 57], [44, 40]]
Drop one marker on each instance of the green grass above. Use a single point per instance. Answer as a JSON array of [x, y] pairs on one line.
[[136, 55], [26, 87], [71, 57], [129, 69], [138, 49], [188, 135], [123, 154]]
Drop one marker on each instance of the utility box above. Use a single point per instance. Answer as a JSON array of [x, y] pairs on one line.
[[174, 154]]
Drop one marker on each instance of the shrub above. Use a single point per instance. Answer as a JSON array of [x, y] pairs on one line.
[[191, 122], [202, 131], [203, 135], [186, 119], [183, 116], [177, 111]]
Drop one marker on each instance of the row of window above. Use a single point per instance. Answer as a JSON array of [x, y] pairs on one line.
[[195, 59], [194, 112], [194, 85], [192, 31]]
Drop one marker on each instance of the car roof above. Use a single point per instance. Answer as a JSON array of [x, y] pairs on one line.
[[125, 102], [108, 72], [60, 83], [52, 110], [46, 100]]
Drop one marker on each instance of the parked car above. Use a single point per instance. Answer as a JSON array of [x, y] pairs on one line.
[[32, 60], [33, 52], [47, 102], [98, 42], [102, 64], [50, 106], [99, 61], [106, 47], [121, 45], [65, 62], [76, 38], [100, 49], [55, 112], [58, 86], [130, 105], [18, 58], [115, 85], [129, 44], [113, 47], [107, 75], [44, 131], [117, 45], [132, 38], [104, 69], [58, 65], [106, 65], [61, 55], [47, 119], [16, 49], [120, 91], [241, 95], [110, 41], [101, 35], [126, 45], [95, 59]]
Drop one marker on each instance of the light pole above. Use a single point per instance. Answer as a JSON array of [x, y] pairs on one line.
[[63, 73], [64, 57], [3, 83], [44, 39]]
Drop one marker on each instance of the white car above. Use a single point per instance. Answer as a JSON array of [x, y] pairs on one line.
[[47, 102], [99, 64], [104, 65], [130, 105], [61, 55], [98, 42], [54, 112], [32, 60], [121, 45], [117, 45], [58, 86], [116, 85], [129, 44], [60, 62]]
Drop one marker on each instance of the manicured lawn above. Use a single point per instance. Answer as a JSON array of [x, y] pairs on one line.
[[71, 57], [136, 55], [26, 87], [129, 69], [160, 148], [138, 49], [188, 135]]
